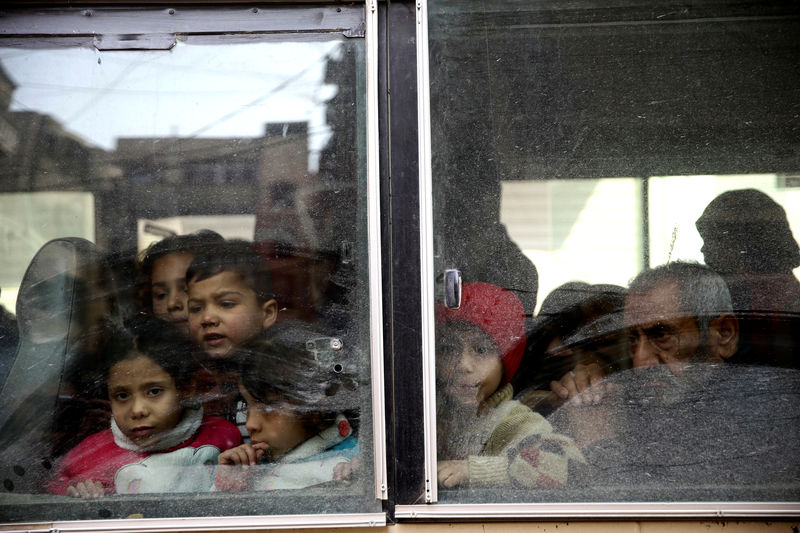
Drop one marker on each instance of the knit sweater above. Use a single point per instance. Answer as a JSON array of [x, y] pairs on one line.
[[508, 444]]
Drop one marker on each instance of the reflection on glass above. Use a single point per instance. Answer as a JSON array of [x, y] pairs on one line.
[[171, 219], [576, 150], [557, 225]]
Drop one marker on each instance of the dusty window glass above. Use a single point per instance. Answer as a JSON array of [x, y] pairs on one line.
[[576, 151], [184, 274]]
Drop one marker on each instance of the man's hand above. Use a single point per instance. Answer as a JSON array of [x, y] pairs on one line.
[[244, 455], [452, 473], [86, 489], [574, 385], [345, 472]]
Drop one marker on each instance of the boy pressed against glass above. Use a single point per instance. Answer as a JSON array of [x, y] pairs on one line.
[[230, 297], [230, 302], [484, 436]]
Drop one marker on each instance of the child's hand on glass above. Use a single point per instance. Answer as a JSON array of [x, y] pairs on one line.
[[452, 473], [229, 476], [346, 472], [86, 489]]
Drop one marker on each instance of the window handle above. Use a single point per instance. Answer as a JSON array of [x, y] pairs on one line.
[[452, 288]]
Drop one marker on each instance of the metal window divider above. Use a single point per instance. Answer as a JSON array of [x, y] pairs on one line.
[[426, 253], [374, 243]]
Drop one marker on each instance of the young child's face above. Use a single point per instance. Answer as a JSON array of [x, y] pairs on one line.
[[224, 312], [468, 365], [275, 425], [145, 401], [168, 288]]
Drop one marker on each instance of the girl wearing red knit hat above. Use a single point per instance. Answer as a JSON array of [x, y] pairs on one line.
[[485, 437]]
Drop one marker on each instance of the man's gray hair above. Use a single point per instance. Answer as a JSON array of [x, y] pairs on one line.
[[703, 293]]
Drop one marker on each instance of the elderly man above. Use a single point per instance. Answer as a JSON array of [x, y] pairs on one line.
[[675, 314], [678, 314], [682, 422]]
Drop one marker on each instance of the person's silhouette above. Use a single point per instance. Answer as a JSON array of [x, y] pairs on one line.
[[747, 240]]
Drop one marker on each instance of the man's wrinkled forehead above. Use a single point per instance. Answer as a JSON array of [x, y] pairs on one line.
[[661, 303]]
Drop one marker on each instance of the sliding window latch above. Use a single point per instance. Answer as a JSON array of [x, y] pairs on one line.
[[452, 288]]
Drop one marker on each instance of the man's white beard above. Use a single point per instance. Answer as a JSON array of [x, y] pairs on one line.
[[659, 386]]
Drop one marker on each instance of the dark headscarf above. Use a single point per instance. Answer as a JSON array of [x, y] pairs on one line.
[[746, 230]]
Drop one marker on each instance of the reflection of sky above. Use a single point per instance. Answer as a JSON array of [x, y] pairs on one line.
[[228, 90]]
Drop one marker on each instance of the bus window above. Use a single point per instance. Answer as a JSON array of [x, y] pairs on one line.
[[616, 187], [185, 259]]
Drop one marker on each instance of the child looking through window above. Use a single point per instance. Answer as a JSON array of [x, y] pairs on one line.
[[162, 272], [485, 437], [159, 440], [230, 303], [230, 297], [299, 433]]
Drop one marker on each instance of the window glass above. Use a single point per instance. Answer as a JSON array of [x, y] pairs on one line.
[[184, 275], [577, 149]]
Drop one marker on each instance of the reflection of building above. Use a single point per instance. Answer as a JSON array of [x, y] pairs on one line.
[[9, 138], [282, 214], [303, 221], [37, 153], [167, 177], [154, 178], [342, 163]]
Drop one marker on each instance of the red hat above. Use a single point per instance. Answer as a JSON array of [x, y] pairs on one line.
[[499, 313]]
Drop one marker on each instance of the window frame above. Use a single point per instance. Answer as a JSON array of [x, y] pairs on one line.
[[401, 289], [84, 26], [411, 509]]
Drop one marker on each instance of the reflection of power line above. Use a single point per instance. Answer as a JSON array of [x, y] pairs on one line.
[[260, 99], [84, 88], [23, 105], [106, 90], [100, 93], [192, 67], [249, 146]]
